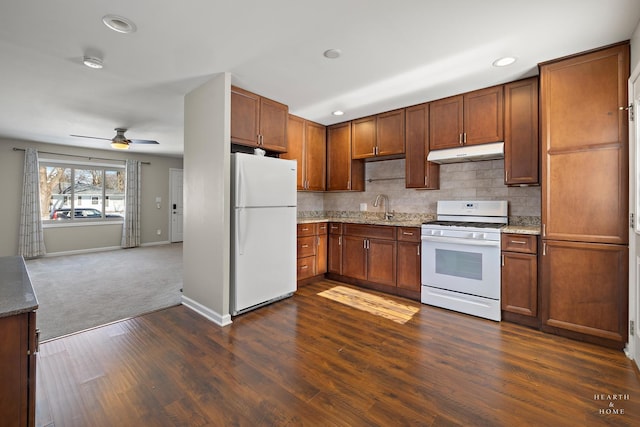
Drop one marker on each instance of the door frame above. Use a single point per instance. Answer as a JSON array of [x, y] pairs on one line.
[[172, 174], [633, 346]]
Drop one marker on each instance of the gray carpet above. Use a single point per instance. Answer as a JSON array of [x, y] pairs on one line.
[[79, 292]]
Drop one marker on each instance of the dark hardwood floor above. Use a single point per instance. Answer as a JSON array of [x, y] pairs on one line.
[[311, 360]]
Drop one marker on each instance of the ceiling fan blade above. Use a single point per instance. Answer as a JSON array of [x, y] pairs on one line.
[[91, 137], [143, 141]]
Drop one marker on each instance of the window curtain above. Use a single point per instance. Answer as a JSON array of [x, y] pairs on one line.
[[31, 237], [131, 225]]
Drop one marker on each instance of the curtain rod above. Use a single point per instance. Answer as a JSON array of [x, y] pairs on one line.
[[82, 157]]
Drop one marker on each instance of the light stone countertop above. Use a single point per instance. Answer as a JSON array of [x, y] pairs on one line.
[[16, 293], [516, 229]]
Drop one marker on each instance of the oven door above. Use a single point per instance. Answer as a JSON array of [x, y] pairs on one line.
[[462, 265]]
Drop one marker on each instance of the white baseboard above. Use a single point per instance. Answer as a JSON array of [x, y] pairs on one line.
[[83, 251], [218, 319], [164, 242]]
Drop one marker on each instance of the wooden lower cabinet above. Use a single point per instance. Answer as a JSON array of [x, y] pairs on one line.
[[519, 280], [334, 250], [584, 291], [18, 369], [312, 251], [409, 266]]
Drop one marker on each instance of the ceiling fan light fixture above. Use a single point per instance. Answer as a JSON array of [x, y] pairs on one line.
[[119, 24], [92, 62], [120, 145]]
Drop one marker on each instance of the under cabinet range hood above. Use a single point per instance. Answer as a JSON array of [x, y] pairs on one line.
[[468, 153]]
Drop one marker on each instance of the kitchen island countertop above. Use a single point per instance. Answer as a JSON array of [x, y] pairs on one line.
[[16, 292]]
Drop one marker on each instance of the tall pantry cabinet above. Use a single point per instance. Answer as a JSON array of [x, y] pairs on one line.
[[584, 145]]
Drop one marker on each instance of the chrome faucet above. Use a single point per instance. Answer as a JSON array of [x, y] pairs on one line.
[[387, 215]]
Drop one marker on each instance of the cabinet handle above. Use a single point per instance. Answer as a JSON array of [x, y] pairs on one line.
[[364, 243], [460, 139], [517, 242], [464, 138], [339, 240], [418, 250], [305, 246], [544, 248], [406, 233], [349, 185], [544, 230], [37, 350], [318, 240], [502, 262], [506, 176], [304, 267]]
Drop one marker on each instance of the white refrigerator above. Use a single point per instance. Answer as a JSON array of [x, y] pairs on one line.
[[263, 230]]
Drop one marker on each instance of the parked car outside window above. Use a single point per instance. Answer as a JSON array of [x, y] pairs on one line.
[[79, 213]]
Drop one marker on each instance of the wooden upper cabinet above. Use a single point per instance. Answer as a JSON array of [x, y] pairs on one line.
[[521, 142], [257, 121], [316, 155], [418, 172], [585, 147], [307, 145], [379, 135], [296, 151], [363, 138], [472, 118], [483, 116], [245, 117], [343, 173], [446, 123], [390, 133]]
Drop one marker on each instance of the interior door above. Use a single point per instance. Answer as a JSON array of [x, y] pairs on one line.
[[176, 204]]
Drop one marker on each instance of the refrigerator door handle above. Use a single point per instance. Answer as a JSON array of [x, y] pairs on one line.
[[241, 223]]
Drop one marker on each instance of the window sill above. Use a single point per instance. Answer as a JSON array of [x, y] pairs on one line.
[[79, 223]]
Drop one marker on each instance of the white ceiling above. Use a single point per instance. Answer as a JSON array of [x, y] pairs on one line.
[[394, 54]]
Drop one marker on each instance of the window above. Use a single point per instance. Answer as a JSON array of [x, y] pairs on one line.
[[81, 192]]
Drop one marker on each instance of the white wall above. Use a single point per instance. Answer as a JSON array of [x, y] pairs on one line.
[[155, 182], [206, 244], [635, 47]]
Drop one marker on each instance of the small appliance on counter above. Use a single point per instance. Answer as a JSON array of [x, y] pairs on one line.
[[263, 230], [461, 257]]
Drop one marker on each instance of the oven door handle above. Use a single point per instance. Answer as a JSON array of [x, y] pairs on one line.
[[459, 241]]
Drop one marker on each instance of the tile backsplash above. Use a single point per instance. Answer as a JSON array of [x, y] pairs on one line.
[[458, 181]]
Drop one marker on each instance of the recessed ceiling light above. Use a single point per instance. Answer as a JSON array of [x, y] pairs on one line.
[[338, 113], [92, 62], [119, 24], [503, 62], [332, 53]]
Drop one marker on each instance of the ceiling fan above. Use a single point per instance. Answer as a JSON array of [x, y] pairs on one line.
[[119, 141]]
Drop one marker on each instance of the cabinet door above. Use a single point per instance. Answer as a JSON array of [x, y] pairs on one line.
[[363, 138], [409, 266], [316, 155], [321, 253], [483, 116], [14, 388], [585, 147], [419, 172], [273, 125], [296, 151], [245, 116], [342, 172], [306, 267], [445, 123], [354, 257], [584, 290], [334, 254], [390, 133], [521, 142], [381, 261], [520, 283]]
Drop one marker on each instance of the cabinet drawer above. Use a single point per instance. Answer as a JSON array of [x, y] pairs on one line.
[[335, 228], [409, 234], [519, 243], [306, 246], [384, 232], [322, 227], [306, 267], [307, 230]]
